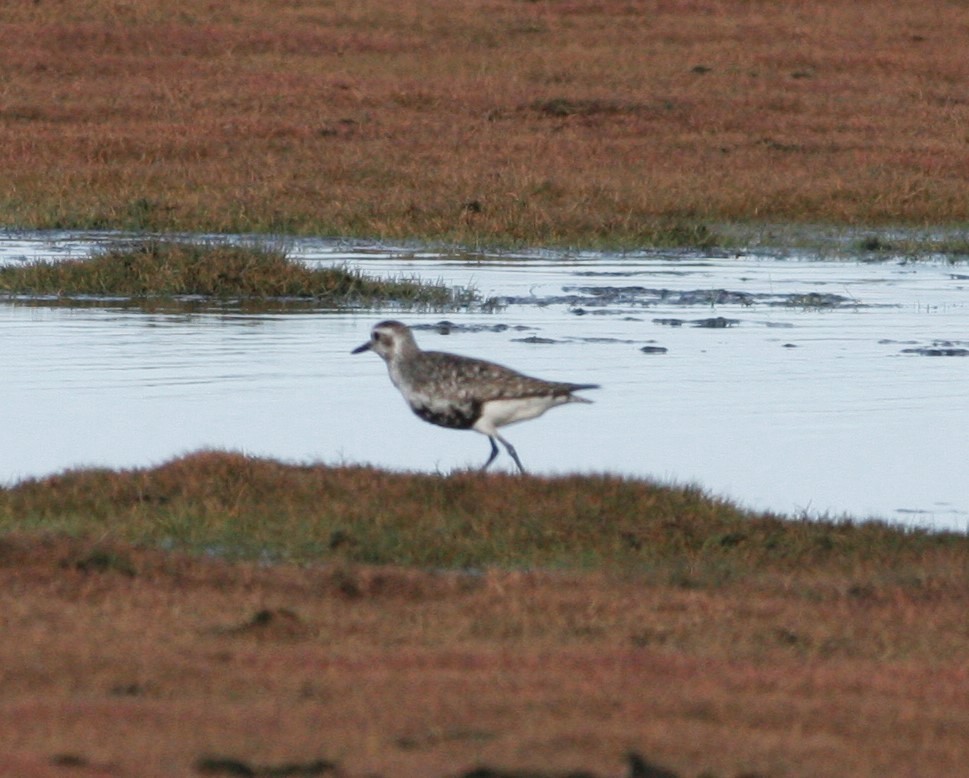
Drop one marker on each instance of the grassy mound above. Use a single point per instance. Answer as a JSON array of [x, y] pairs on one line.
[[220, 271], [256, 508]]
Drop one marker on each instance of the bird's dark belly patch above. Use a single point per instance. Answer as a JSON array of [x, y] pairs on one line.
[[455, 417]]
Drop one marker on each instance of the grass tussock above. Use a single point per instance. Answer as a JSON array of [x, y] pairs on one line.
[[221, 271], [241, 506], [541, 123]]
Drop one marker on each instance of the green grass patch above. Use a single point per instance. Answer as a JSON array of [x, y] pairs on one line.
[[155, 269], [242, 507]]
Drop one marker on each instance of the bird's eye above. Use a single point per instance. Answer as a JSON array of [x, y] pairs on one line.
[[376, 337]]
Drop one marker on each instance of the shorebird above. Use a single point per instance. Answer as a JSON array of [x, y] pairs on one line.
[[462, 393]]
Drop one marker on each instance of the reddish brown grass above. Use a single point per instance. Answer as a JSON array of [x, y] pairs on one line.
[[541, 122], [708, 640], [146, 667]]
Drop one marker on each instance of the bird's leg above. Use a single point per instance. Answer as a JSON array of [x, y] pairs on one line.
[[494, 453], [511, 450]]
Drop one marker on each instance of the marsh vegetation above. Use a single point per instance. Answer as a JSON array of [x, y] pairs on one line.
[[538, 123], [515, 622], [155, 270], [244, 507]]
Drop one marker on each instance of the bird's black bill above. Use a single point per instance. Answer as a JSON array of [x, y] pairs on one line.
[[360, 349]]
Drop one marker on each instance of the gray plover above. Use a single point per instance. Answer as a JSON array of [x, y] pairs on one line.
[[464, 393]]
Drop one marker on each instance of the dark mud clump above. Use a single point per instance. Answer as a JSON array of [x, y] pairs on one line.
[[220, 765], [445, 327], [714, 323], [620, 298], [536, 340], [271, 624], [940, 348]]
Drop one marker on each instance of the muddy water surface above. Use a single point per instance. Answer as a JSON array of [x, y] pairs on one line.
[[792, 383]]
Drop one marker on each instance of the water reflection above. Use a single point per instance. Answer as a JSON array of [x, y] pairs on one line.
[[813, 401]]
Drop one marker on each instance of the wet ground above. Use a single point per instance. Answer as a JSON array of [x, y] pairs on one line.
[[785, 381]]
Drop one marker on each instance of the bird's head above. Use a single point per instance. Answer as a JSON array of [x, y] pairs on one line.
[[389, 339]]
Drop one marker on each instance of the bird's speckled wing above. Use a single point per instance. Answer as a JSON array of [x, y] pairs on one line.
[[473, 380]]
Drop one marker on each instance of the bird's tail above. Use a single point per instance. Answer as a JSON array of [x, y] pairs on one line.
[[574, 398]]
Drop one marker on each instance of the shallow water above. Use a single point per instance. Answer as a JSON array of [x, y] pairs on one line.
[[795, 384]]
